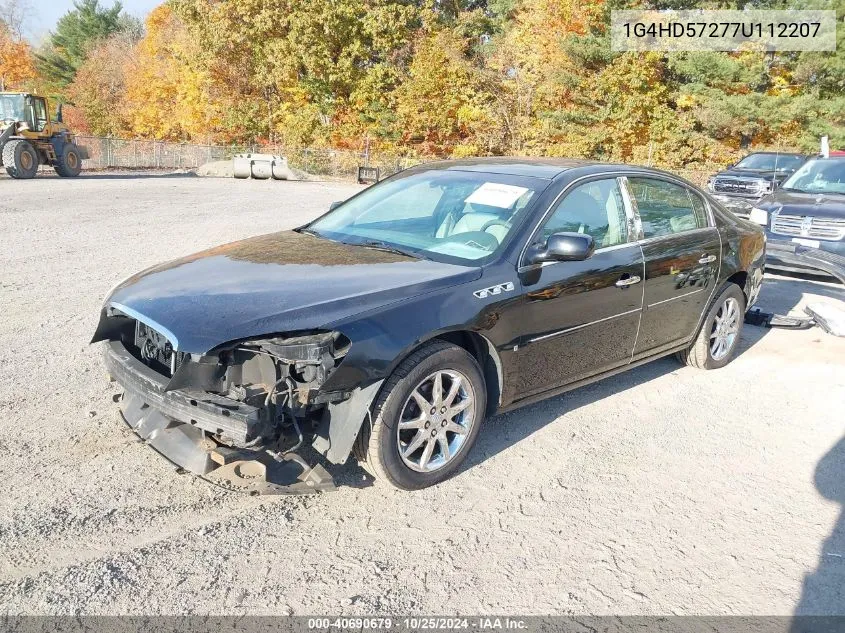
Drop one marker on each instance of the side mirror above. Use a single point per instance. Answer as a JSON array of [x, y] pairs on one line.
[[334, 205], [563, 247]]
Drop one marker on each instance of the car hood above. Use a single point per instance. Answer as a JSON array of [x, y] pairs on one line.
[[815, 204], [272, 284], [778, 176]]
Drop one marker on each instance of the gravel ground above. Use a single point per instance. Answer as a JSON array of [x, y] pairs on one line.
[[664, 490]]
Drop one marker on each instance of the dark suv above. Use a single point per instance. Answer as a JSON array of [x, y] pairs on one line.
[[805, 220], [755, 176]]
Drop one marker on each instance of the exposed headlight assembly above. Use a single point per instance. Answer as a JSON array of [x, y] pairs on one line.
[[307, 358], [306, 348]]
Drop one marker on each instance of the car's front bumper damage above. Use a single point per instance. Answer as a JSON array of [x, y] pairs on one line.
[[795, 257], [183, 425]]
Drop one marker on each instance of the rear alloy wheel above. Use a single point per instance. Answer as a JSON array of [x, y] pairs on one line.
[[426, 418], [725, 329], [20, 159], [69, 164], [717, 341]]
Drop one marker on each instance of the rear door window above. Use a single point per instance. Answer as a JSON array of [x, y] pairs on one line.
[[666, 208]]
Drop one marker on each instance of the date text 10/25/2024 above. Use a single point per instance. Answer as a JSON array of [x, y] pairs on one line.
[[419, 623]]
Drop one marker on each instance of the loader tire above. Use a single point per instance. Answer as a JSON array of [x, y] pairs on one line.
[[69, 164], [20, 159]]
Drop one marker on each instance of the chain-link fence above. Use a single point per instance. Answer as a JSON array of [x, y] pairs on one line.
[[141, 154], [332, 163]]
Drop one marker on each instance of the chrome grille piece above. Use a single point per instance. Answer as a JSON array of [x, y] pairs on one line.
[[808, 226]]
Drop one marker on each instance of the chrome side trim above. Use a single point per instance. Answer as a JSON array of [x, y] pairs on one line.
[[635, 229], [657, 238], [686, 294], [582, 326]]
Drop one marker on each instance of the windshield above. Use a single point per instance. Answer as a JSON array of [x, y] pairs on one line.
[[11, 108], [771, 162], [822, 175], [444, 215]]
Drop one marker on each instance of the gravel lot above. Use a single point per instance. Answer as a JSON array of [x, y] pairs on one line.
[[665, 490]]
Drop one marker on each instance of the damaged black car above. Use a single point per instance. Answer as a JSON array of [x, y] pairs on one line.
[[389, 328]]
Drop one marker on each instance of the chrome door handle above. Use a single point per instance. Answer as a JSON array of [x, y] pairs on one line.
[[709, 259], [628, 281]]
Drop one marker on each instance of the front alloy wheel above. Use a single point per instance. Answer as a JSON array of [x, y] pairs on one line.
[[436, 421], [425, 418]]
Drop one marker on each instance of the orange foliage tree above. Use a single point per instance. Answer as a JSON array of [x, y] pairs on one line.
[[99, 86], [168, 92], [16, 63]]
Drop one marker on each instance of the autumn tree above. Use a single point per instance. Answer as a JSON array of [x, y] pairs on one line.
[[68, 46], [99, 85], [441, 101], [298, 71], [167, 92], [442, 77], [16, 61]]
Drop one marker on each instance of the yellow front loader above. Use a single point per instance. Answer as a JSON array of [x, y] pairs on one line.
[[28, 138]]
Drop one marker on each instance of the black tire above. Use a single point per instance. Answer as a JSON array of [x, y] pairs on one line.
[[701, 353], [378, 445], [20, 159], [69, 164]]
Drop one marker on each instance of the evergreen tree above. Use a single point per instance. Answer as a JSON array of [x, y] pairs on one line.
[[86, 24]]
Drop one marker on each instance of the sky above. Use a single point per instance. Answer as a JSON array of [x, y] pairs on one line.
[[45, 14]]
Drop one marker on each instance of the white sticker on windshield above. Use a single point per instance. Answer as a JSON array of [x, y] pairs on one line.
[[494, 194]]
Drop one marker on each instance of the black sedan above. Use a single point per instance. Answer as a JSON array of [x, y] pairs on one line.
[[393, 325], [805, 220]]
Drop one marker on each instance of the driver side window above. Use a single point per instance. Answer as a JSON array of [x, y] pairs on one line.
[[595, 208]]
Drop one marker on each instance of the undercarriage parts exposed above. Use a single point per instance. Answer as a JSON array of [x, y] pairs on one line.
[[234, 416], [241, 470]]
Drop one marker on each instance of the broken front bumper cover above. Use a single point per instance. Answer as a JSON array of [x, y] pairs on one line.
[[175, 424], [797, 257]]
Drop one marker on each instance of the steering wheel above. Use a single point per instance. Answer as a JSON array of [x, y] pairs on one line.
[[496, 222], [479, 239]]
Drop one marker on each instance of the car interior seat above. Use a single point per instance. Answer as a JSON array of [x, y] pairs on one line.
[[475, 218]]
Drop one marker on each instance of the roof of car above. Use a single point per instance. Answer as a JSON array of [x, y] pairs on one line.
[[540, 168], [778, 153], [514, 166]]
